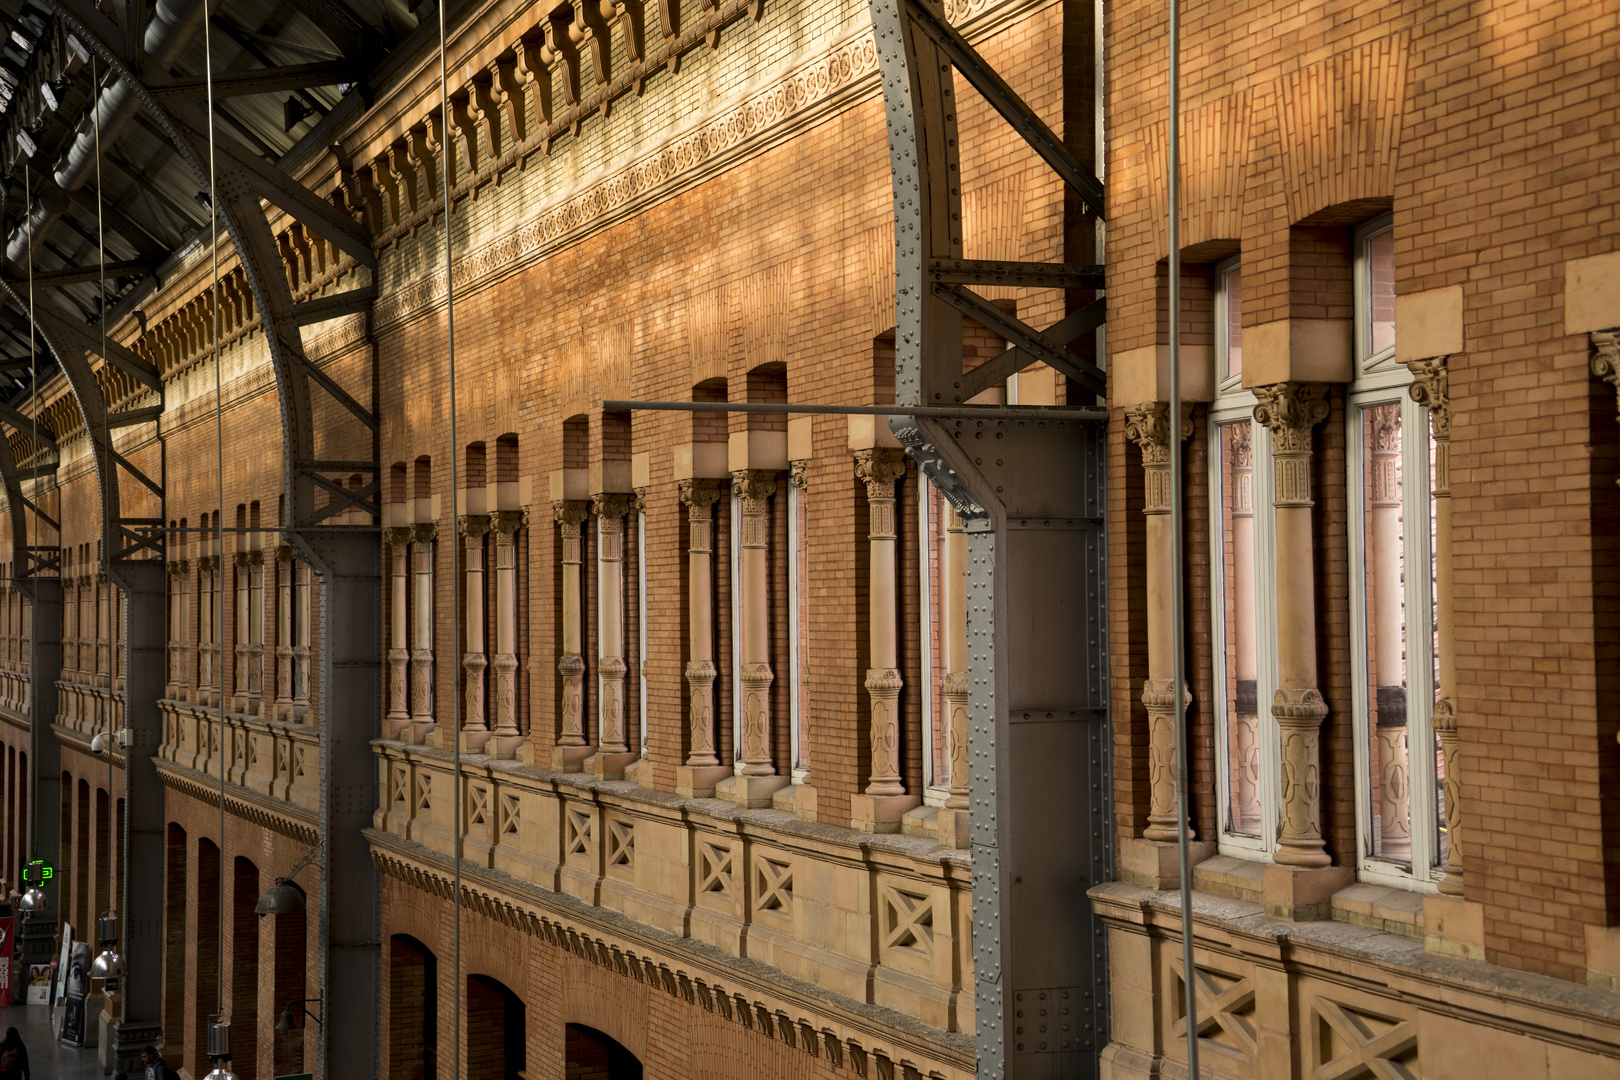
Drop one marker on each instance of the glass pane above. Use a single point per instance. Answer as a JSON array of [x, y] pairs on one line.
[[801, 590], [1440, 846], [1233, 287], [1241, 659], [1381, 289], [1389, 775]]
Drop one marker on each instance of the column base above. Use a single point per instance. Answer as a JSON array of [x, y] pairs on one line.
[[399, 728], [421, 732], [752, 792], [475, 742], [609, 766], [505, 747], [805, 802], [1302, 894], [951, 828], [1155, 864], [698, 781], [880, 813], [1453, 926], [570, 758], [639, 772]]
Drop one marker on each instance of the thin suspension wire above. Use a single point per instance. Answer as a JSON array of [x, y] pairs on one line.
[[1178, 653], [455, 548], [219, 476], [33, 389], [112, 587]]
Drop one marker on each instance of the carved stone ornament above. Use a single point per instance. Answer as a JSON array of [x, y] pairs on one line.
[[1148, 426], [569, 513], [506, 523], [1606, 359], [424, 532], [755, 488], [397, 536], [610, 505], [1290, 411], [698, 495], [1299, 714], [1445, 726], [880, 467], [1431, 389], [473, 526], [796, 473], [1159, 698]]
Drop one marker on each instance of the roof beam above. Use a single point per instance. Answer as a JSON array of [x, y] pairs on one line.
[[270, 80], [79, 275]]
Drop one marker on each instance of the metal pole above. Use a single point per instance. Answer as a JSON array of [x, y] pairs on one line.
[[941, 412], [1178, 680]]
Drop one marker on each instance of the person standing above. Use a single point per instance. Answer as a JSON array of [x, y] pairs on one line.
[[13, 1057], [156, 1067]]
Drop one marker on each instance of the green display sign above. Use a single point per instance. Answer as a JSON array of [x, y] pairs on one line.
[[38, 872]]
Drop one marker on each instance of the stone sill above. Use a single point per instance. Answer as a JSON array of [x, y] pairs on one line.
[[1379, 907], [786, 822], [1585, 1012]]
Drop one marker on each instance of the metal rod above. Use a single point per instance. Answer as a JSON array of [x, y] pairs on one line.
[[455, 548], [216, 609], [945, 412], [1178, 654]]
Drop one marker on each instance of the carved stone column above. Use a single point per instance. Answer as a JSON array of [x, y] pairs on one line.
[[1430, 389], [177, 629], [301, 653], [255, 659], [1148, 425], [885, 800], [397, 721], [423, 723], [242, 562], [284, 632], [613, 748], [1384, 566], [702, 770], [571, 745], [507, 737], [474, 728], [1291, 411], [756, 778], [208, 581], [956, 659]]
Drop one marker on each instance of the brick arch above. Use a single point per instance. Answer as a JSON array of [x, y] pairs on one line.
[[721, 1050], [487, 950], [611, 1003]]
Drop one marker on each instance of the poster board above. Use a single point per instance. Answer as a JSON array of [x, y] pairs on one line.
[[74, 1019]]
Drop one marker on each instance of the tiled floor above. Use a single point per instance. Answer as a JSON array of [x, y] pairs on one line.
[[46, 1059]]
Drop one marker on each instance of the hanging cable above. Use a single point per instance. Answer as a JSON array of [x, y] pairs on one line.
[[33, 389], [220, 1069], [455, 549], [1178, 649]]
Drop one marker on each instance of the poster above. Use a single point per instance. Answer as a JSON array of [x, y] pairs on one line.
[[78, 988], [61, 964], [6, 924], [39, 984]]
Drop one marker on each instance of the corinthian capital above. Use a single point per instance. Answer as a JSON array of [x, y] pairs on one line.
[[1148, 426], [1289, 411], [570, 512], [473, 526], [754, 487], [506, 523], [880, 467], [424, 532], [1606, 358], [1431, 390], [697, 495], [610, 506]]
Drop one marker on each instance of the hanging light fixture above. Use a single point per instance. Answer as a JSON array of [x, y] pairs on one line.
[[108, 965], [285, 1021], [286, 896], [219, 1047], [34, 899]]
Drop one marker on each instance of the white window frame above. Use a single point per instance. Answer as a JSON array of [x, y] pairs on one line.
[[936, 789], [1382, 381], [795, 509], [736, 631], [1234, 404], [641, 619], [1229, 408]]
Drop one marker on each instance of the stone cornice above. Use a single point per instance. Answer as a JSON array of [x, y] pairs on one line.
[[743, 990], [288, 820]]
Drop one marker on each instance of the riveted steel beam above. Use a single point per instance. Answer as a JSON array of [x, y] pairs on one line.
[[269, 80], [79, 275]]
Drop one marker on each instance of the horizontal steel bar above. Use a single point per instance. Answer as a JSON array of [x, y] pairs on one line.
[[79, 275], [263, 80], [958, 412], [1030, 275]]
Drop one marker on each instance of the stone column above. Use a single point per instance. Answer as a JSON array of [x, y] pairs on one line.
[[507, 737], [884, 802], [474, 728], [301, 637], [571, 746], [255, 659], [1384, 567], [697, 778], [423, 534], [1291, 411], [397, 722], [103, 635], [1431, 390], [1245, 768], [177, 629], [239, 647], [1148, 425], [284, 632], [613, 747], [755, 780], [953, 817]]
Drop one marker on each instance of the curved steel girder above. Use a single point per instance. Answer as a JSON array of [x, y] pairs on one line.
[[24, 556], [242, 180]]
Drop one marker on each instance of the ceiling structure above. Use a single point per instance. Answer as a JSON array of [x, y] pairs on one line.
[[286, 73]]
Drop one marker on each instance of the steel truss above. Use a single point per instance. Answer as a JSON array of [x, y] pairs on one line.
[[133, 548], [1032, 494]]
